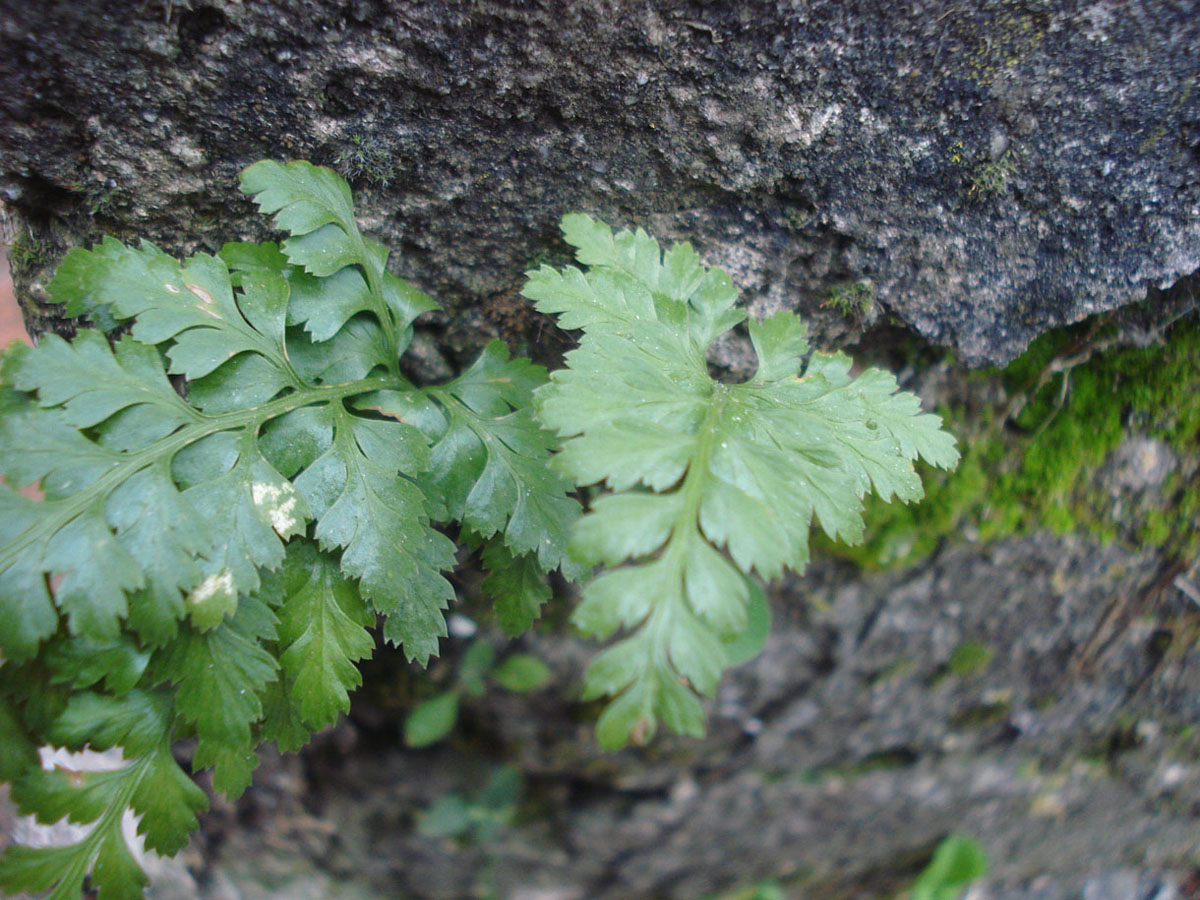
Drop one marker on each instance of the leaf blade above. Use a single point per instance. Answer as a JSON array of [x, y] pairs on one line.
[[711, 483]]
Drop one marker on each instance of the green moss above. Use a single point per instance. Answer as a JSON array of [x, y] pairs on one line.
[[990, 178], [367, 158], [969, 657], [1185, 743], [1044, 702], [1185, 529], [995, 39], [106, 203], [1155, 531], [28, 252], [796, 219], [880, 761], [899, 669], [1036, 469], [852, 299], [1160, 131], [981, 715]]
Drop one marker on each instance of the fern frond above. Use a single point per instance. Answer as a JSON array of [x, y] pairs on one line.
[[711, 484]]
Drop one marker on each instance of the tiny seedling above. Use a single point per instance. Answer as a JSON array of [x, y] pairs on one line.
[[957, 861], [433, 719], [478, 817]]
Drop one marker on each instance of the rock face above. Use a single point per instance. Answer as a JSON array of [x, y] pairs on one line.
[[1025, 693], [986, 171]]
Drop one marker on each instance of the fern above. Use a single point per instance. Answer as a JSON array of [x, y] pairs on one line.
[[244, 485], [710, 483], [209, 563]]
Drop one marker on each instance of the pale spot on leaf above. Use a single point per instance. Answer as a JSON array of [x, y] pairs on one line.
[[205, 296], [217, 583], [206, 299], [278, 502]]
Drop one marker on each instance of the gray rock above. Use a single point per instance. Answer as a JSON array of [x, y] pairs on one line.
[[1067, 752], [1140, 464], [992, 169]]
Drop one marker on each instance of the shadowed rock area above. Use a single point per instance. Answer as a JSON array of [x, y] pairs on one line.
[[835, 762], [993, 169]]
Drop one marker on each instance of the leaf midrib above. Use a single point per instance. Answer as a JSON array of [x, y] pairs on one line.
[[74, 505]]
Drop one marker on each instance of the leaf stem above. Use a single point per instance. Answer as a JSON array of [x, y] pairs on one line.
[[381, 309], [686, 527], [87, 849]]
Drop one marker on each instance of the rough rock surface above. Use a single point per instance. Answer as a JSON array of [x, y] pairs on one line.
[[993, 169], [835, 762]]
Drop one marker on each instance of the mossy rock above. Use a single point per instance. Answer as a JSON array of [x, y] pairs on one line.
[[1094, 436]]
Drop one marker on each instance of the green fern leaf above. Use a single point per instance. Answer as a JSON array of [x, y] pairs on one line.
[[164, 533], [82, 664], [515, 584], [380, 523], [323, 632], [220, 676], [116, 487], [178, 511], [150, 784], [192, 305], [315, 206], [713, 483], [59, 536], [281, 723], [251, 510], [488, 467], [18, 752]]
